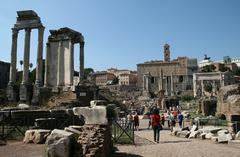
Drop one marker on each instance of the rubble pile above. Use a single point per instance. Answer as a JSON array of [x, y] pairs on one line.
[[212, 133]]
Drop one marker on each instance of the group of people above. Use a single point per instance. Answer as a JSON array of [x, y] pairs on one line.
[[157, 121], [133, 118]]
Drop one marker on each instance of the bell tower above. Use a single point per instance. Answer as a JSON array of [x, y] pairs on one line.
[[166, 53]]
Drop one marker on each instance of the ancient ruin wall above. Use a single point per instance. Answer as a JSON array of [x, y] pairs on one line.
[[229, 100]]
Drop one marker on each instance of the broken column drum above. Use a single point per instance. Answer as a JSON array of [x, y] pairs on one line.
[[60, 58], [26, 20]]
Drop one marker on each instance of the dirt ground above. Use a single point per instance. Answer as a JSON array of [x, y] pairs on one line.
[[169, 146], [18, 149]]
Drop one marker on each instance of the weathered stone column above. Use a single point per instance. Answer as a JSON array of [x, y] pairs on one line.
[[47, 65], [26, 56], [81, 72], [194, 85], [202, 87], [39, 67], [71, 63], [144, 82], [59, 79], [12, 77], [172, 91]]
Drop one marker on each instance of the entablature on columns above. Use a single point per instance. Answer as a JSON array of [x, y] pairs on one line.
[[27, 19], [66, 33]]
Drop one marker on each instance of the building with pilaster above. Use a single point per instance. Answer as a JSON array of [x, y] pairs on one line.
[[172, 76]]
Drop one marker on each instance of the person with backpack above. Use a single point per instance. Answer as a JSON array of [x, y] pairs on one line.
[[156, 125]]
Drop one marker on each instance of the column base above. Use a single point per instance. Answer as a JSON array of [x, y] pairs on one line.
[[25, 92], [41, 95], [12, 92]]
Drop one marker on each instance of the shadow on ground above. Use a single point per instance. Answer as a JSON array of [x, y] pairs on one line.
[[174, 141], [126, 155]]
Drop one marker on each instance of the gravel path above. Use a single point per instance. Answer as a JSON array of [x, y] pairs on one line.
[[171, 146], [18, 149]]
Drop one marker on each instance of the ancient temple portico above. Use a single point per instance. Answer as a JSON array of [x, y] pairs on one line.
[[60, 58], [26, 20]]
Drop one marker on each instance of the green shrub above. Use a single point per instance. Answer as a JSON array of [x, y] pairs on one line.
[[187, 98]]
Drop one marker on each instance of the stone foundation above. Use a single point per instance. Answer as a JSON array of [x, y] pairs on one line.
[[80, 141]]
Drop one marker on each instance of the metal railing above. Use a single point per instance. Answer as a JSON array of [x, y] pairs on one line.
[[122, 131]]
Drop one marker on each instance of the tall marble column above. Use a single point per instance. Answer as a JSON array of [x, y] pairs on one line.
[[39, 66], [81, 72], [47, 65], [12, 77], [26, 56]]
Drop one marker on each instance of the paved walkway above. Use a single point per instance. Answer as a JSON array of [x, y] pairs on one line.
[[171, 146]]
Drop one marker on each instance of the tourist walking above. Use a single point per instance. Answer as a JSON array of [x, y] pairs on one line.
[[180, 119], [163, 119], [136, 122], [156, 125], [150, 121], [130, 117], [172, 122]]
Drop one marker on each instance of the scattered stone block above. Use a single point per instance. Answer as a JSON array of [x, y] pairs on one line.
[[185, 128], [209, 135], [184, 134], [211, 129], [203, 136], [72, 130], [237, 136], [23, 106], [223, 132], [214, 138], [194, 128], [224, 138], [194, 134], [79, 128], [37, 136], [58, 143]]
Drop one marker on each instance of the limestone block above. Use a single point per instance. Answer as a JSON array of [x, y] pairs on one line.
[[72, 130], [184, 134], [237, 136], [95, 115], [214, 138], [58, 143], [79, 128], [23, 106], [185, 128], [194, 128], [203, 136], [37, 136], [194, 134], [209, 135], [211, 129], [224, 138], [222, 132]]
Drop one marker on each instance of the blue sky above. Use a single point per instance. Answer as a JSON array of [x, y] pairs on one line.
[[123, 33]]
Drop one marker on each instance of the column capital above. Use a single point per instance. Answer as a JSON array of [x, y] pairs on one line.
[[28, 29], [41, 28], [82, 44], [14, 31]]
